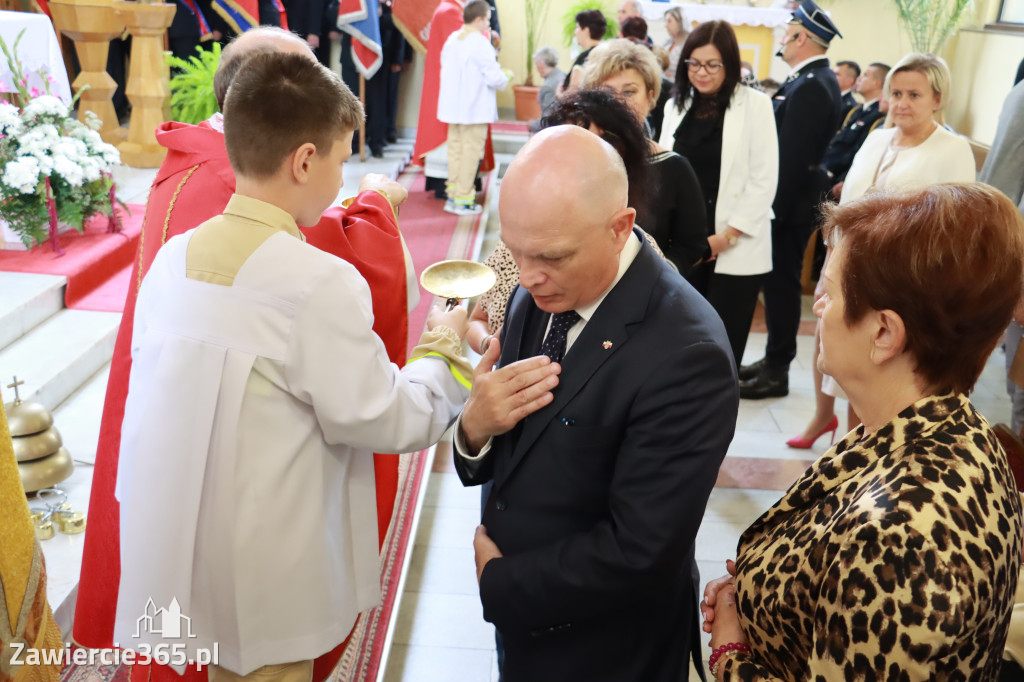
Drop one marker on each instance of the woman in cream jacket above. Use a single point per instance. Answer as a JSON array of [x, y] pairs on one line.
[[727, 132]]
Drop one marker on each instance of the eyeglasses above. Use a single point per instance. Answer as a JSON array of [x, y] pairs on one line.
[[711, 67]]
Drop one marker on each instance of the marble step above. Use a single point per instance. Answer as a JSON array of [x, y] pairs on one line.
[[58, 356], [508, 143], [78, 420], [26, 300]]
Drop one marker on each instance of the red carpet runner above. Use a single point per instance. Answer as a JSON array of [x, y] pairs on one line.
[[432, 235]]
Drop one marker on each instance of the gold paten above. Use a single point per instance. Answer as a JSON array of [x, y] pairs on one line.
[[457, 279], [36, 446], [46, 472]]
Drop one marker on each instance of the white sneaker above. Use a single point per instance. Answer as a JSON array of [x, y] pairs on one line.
[[472, 209], [449, 206]]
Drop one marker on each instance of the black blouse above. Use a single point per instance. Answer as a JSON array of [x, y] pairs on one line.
[[699, 139], [675, 215], [581, 59]]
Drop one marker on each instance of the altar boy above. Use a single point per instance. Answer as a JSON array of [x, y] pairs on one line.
[[258, 392]]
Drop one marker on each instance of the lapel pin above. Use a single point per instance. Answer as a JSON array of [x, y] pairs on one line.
[[606, 345]]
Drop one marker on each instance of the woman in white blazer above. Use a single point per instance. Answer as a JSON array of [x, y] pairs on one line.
[[915, 152], [727, 132]]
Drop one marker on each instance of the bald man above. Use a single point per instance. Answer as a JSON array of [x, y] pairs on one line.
[[602, 426], [194, 184]]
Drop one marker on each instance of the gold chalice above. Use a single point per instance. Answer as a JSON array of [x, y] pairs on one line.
[[455, 280]]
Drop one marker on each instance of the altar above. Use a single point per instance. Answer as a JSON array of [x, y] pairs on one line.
[[758, 30], [38, 52]]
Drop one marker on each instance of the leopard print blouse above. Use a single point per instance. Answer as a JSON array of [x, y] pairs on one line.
[[894, 557]]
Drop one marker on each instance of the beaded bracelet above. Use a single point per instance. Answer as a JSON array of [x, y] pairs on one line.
[[725, 650]]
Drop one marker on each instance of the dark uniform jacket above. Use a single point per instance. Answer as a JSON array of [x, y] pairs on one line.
[[848, 102], [849, 138], [806, 117]]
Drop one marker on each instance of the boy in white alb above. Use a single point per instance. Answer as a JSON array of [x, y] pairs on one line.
[[258, 392], [470, 75]]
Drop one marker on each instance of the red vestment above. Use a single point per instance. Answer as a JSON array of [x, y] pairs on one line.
[[193, 185], [431, 133]]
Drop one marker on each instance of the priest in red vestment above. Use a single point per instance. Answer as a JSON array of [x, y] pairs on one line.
[[193, 185], [430, 132]]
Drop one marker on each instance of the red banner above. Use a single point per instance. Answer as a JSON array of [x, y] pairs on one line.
[[412, 17]]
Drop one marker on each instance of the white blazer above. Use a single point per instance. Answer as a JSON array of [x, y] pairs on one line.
[[749, 176], [943, 157]]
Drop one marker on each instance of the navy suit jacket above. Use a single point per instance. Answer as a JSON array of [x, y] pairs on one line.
[[598, 496], [806, 116]]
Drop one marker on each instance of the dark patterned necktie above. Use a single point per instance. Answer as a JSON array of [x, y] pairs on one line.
[[554, 342]]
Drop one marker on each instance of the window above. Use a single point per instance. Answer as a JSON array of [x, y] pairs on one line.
[[1012, 12]]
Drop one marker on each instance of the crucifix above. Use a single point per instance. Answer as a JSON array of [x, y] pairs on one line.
[[17, 398]]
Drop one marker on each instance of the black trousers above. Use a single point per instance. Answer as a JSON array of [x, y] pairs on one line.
[[782, 290], [734, 298]]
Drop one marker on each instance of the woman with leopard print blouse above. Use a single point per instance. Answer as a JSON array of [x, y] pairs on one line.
[[895, 556]]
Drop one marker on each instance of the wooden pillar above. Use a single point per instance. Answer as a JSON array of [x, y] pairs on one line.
[[92, 25], [147, 89]]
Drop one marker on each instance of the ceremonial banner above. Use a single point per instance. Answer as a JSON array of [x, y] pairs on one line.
[[241, 15], [412, 17], [360, 19]]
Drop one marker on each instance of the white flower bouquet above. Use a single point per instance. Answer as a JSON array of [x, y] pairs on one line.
[[55, 168]]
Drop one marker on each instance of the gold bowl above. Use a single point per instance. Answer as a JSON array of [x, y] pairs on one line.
[[457, 279]]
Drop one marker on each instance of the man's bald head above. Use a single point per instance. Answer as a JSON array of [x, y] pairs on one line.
[[629, 8], [252, 42], [564, 216], [587, 171]]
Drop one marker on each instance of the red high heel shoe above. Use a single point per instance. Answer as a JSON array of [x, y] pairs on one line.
[[801, 443]]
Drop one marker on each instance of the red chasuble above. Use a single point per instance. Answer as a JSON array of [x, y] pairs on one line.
[[193, 185], [431, 133]]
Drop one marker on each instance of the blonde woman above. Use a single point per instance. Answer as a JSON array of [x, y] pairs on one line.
[[677, 29], [918, 150]]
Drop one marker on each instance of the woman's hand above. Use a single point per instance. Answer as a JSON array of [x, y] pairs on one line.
[[726, 628], [707, 607], [718, 244]]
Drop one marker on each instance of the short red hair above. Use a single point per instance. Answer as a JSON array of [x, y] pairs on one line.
[[948, 259]]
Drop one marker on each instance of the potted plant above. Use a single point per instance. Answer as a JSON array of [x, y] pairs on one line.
[[930, 23], [192, 97], [527, 105], [56, 170]]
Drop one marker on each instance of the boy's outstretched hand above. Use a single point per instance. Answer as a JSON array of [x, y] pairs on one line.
[[456, 318], [395, 193]]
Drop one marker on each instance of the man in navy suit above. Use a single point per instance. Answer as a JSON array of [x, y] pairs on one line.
[[807, 110], [586, 553]]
